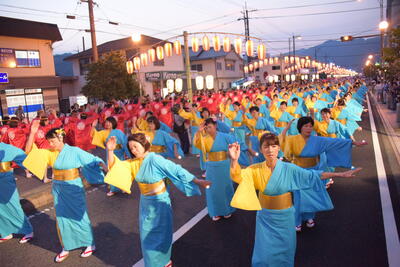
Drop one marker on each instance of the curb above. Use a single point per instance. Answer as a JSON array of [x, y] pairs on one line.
[[394, 138], [35, 199]]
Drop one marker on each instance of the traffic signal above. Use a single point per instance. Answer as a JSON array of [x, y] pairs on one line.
[[346, 38]]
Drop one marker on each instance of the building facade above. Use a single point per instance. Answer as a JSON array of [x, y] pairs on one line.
[[26, 59]]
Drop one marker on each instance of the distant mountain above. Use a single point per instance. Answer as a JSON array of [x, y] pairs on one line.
[[63, 68], [351, 54]]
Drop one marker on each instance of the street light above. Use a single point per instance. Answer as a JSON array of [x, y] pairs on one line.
[[370, 57], [136, 37], [383, 25]]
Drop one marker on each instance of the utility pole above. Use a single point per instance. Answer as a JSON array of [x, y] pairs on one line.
[[83, 43], [294, 52], [92, 30], [245, 19], [187, 65]]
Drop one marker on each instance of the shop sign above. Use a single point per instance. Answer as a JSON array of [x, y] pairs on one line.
[[153, 76]]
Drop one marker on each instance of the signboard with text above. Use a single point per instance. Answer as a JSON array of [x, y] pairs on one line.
[[4, 77]]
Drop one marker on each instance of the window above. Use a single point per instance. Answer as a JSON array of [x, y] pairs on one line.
[[7, 58], [83, 65], [222, 85], [276, 67], [230, 65], [27, 58], [158, 62], [219, 66], [198, 67]]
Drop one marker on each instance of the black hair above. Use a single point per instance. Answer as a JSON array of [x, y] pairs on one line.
[[236, 103], [325, 110], [149, 113], [141, 139], [210, 121], [295, 100], [13, 122], [303, 121], [341, 102], [83, 116], [42, 120], [52, 133], [254, 108], [270, 138], [113, 122], [283, 103], [203, 110], [154, 120]]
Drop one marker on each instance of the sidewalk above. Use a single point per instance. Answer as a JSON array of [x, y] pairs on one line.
[[392, 127], [34, 194]]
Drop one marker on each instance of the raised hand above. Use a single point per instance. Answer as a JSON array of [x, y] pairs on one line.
[[234, 151], [111, 143], [35, 126]]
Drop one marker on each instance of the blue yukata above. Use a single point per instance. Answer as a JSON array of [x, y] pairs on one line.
[[73, 224], [275, 238], [217, 171], [12, 217], [155, 211], [318, 153]]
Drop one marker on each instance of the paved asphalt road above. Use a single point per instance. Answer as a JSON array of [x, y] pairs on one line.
[[350, 235]]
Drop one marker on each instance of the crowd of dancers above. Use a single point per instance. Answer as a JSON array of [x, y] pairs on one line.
[[280, 144]]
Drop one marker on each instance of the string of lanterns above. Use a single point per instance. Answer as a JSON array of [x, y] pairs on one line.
[[168, 49]]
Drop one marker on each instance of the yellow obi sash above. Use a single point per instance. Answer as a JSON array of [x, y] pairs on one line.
[[281, 124], [305, 162], [236, 123], [279, 202], [5, 166], [217, 156], [66, 175], [257, 132], [296, 115], [342, 121], [157, 149], [152, 189]]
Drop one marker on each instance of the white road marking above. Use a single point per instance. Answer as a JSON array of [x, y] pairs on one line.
[[389, 223], [181, 231]]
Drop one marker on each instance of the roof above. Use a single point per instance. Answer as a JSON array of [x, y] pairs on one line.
[[120, 44], [210, 54], [29, 29]]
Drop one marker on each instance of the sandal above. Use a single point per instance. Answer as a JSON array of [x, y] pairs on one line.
[[227, 216], [63, 255], [298, 228], [216, 218], [4, 239], [88, 251], [110, 194], [26, 238], [310, 223]]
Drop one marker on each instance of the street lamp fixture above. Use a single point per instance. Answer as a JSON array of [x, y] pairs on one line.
[[136, 37], [383, 25], [370, 57]]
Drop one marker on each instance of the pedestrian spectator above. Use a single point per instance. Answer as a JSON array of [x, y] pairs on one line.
[[180, 129], [19, 113]]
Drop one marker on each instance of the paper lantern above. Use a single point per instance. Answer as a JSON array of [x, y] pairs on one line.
[[293, 77], [152, 55], [206, 43], [261, 63], [297, 60], [276, 60], [136, 63], [170, 86], [216, 43], [143, 59], [209, 82], [261, 51], [255, 65], [129, 67], [306, 77], [178, 85], [313, 76], [291, 60], [246, 69], [286, 59], [250, 48], [302, 61], [276, 78], [317, 76], [287, 77], [266, 61], [199, 82], [302, 77], [177, 47], [238, 46], [168, 49], [226, 45], [160, 52], [251, 67], [270, 79], [271, 61], [195, 44]]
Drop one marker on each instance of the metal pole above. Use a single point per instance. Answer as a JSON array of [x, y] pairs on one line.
[[83, 43], [294, 53], [187, 65], [93, 32]]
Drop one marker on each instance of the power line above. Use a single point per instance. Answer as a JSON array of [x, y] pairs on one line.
[[318, 13], [310, 5]]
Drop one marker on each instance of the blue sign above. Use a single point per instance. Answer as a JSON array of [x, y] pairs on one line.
[[3, 77]]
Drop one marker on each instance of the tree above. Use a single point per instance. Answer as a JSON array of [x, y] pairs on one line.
[[108, 79], [391, 55], [371, 71]]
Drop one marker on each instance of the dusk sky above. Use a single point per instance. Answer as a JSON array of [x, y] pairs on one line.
[[274, 21]]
